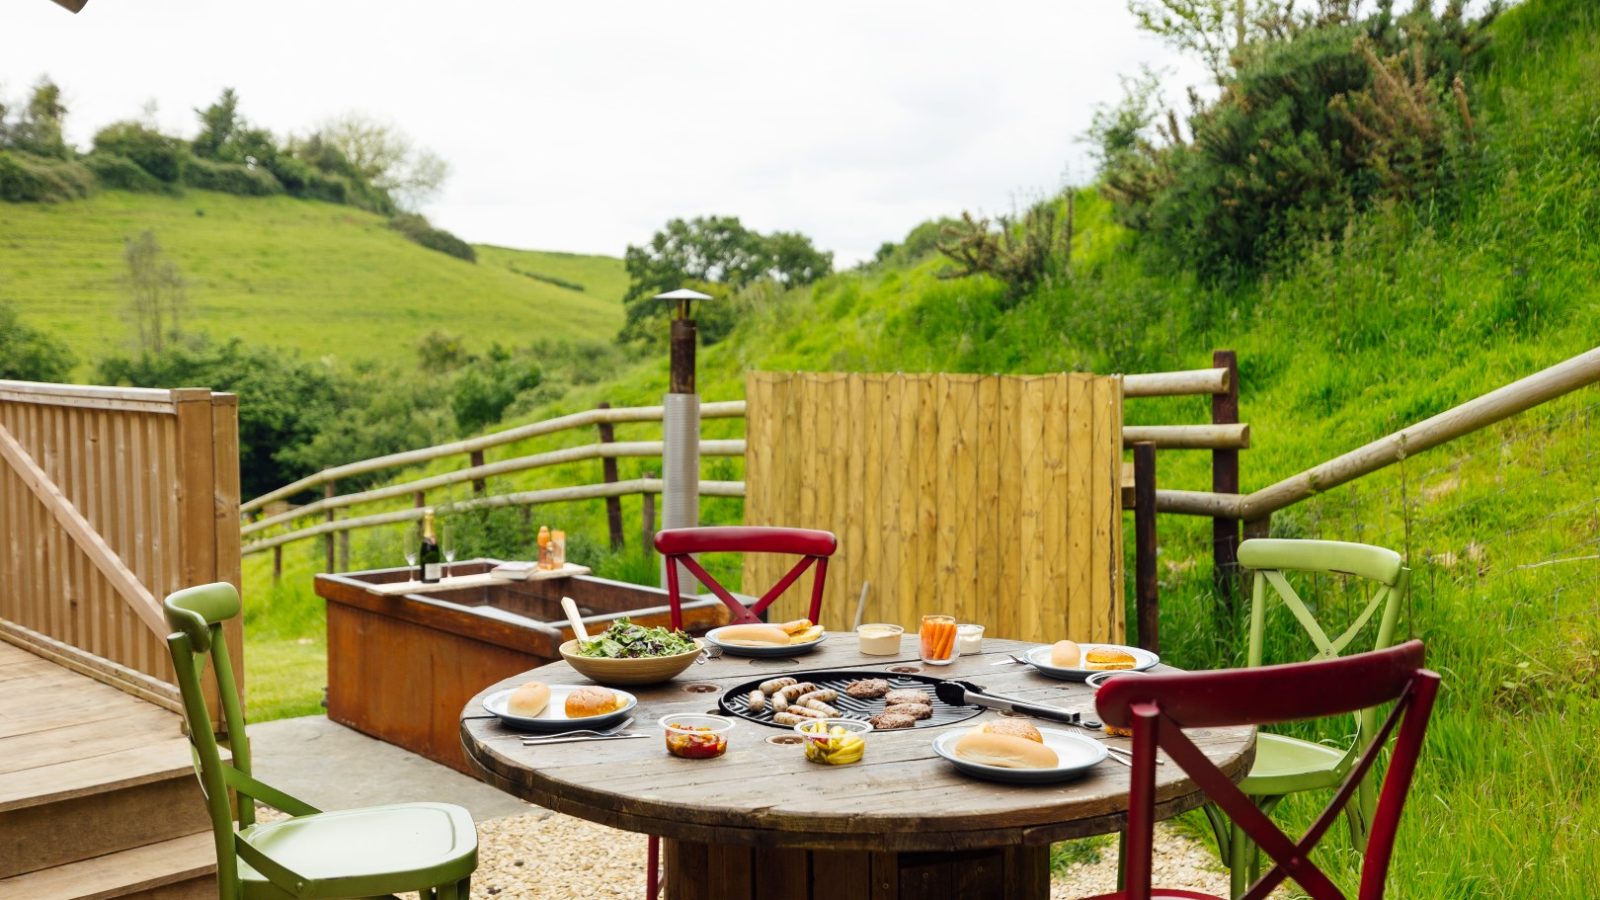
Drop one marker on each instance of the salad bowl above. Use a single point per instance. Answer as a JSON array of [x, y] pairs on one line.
[[604, 659]]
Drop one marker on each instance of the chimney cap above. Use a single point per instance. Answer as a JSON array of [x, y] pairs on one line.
[[682, 294]]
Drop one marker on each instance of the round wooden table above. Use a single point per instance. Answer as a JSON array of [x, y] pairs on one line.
[[762, 822]]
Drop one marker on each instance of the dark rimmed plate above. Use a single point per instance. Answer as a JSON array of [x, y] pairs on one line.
[[733, 649], [734, 701]]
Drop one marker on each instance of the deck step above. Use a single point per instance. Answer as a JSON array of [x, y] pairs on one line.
[[181, 868]]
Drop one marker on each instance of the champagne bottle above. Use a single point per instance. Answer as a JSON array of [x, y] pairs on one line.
[[430, 562]]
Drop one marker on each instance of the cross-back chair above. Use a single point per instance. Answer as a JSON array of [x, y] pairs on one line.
[[1287, 765], [1158, 707], [812, 546], [431, 848]]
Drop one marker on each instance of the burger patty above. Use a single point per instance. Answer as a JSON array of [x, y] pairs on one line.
[[907, 695], [867, 688], [888, 720], [914, 710]]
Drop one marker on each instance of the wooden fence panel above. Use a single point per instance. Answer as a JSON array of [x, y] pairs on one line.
[[996, 498], [113, 498]]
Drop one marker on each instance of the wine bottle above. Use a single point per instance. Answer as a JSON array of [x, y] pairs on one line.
[[430, 562]]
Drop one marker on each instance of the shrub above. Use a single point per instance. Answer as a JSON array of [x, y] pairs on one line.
[[29, 354], [153, 151], [419, 230], [25, 178], [1019, 252], [484, 389], [231, 178], [123, 174]]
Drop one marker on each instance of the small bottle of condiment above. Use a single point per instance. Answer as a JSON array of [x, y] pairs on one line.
[[558, 549], [544, 547]]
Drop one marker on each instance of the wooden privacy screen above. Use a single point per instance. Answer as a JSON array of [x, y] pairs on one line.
[[111, 498], [995, 498]]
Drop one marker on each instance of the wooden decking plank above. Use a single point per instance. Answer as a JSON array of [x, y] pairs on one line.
[[118, 874], [82, 740], [78, 777]]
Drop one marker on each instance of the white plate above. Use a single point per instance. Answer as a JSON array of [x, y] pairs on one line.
[[554, 718], [742, 650], [1039, 658], [1077, 755]]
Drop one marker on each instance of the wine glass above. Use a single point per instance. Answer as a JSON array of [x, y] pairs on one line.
[[447, 543], [408, 543]]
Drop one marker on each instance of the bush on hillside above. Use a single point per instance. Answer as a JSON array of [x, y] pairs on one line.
[[1020, 252], [1310, 127], [419, 230], [231, 178], [484, 389], [123, 174], [30, 354], [25, 178], [156, 153]]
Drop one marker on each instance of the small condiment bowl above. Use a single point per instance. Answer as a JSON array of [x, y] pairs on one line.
[[1100, 678], [825, 747], [969, 638], [696, 736], [879, 638]]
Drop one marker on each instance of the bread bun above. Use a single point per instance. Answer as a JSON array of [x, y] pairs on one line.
[[754, 635], [591, 701], [1015, 727], [1005, 751], [529, 700], [1065, 655], [1106, 658]]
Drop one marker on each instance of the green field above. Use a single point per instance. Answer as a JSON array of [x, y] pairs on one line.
[[327, 281]]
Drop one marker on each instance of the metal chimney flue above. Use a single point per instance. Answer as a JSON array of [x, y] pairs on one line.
[[680, 456]]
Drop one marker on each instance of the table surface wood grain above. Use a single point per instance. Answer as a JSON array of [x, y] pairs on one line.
[[900, 798]]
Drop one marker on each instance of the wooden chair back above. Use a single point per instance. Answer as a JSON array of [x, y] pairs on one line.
[[679, 544], [1158, 707]]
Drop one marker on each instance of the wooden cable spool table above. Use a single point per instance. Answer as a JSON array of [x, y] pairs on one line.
[[763, 822]]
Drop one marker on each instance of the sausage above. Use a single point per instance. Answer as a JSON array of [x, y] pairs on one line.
[[775, 685], [784, 718], [779, 703], [808, 712], [821, 707], [822, 694], [757, 701], [793, 691]]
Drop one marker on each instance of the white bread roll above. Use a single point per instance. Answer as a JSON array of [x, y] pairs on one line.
[[1005, 751], [754, 635], [1065, 655], [529, 700]]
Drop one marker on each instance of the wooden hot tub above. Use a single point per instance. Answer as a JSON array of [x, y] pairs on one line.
[[401, 667]]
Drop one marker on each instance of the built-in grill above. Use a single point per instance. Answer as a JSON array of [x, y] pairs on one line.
[[735, 701]]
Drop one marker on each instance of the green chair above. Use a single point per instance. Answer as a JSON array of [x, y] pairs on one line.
[[1285, 765], [431, 848]]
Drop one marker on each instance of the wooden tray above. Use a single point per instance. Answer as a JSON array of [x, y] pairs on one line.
[[482, 579]]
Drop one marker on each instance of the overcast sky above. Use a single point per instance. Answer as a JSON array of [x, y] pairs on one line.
[[585, 126]]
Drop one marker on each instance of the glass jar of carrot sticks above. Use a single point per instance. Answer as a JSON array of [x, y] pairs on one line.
[[938, 640]]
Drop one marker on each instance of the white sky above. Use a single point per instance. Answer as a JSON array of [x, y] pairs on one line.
[[585, 126]]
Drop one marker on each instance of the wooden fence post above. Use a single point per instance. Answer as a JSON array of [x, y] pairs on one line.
[[608, 468], [1225, 480], [1146, 586], [420, 499], [277, 563], [475, 459], [647, 516], [328, 491]]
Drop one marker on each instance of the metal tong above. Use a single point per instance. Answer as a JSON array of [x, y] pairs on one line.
[[965, 693]]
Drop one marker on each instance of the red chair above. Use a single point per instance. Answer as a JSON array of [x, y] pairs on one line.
[[1158, 707], [676, 544]]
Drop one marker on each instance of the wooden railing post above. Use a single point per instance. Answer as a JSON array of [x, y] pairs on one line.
[[1225, 480], [647, 516], [420, 499], [479, 485], [608, 469], [1146, 586], [329, 491]]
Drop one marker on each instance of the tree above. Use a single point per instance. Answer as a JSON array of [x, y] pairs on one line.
[[156, 293], [385, 156], [29, 354], [39, 130], [218, 123]]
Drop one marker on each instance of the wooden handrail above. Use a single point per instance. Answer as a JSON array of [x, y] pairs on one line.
[[718, 410], [1188, 437], [1173, 384], [523, 498], [517, 464]]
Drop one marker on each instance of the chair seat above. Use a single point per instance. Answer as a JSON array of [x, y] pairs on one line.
[[365, 852], [1287, 765], [1159, 892]]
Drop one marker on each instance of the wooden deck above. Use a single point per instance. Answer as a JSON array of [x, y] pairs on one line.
[[97, 793]]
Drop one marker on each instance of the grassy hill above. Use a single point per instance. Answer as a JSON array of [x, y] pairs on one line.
[[1411, 312], [326, 280]]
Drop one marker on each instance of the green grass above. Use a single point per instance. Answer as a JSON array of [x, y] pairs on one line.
[[328, 281], [1416, 309]]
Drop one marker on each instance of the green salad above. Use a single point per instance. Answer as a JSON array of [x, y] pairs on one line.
[[625, 640]]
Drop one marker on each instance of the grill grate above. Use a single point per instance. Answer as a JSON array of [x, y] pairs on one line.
[[734, 701]]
